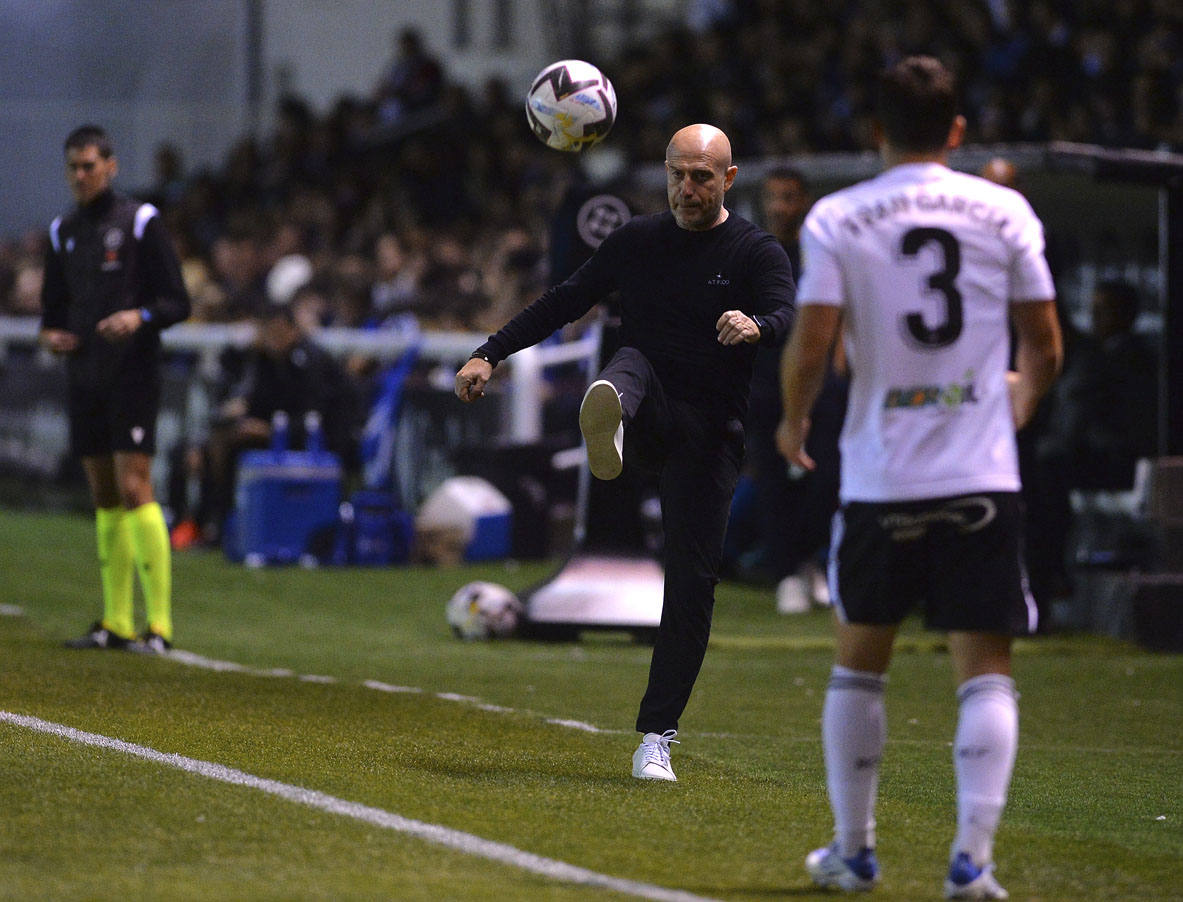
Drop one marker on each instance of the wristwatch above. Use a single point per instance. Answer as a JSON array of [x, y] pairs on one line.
[[481, 355]]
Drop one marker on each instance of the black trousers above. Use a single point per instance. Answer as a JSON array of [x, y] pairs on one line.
[[696, 454]]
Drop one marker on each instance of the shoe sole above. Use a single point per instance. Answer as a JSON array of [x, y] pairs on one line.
[[95, 647], [846, 884], [599, 420], [91, 645], [140, 648], [658, 778], [972, 891], [845, 880]]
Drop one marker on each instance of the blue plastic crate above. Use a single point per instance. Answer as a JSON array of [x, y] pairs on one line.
[[283, 500], [375, 532]]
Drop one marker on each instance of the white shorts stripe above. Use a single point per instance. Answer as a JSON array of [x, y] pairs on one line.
[[837, 528]]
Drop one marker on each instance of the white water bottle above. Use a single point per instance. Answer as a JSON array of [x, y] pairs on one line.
[[314, 439], [279, 431]]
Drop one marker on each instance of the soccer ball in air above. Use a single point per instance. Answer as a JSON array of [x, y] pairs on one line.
[[484, 610], [571, 105]]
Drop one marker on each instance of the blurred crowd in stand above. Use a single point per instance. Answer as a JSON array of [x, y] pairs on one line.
[[430, 206], [429, 198], [796, 76]]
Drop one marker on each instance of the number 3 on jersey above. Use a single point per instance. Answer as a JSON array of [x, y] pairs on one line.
[[942, 281]]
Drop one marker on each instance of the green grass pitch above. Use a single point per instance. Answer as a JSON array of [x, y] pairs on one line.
[[1095, 809]]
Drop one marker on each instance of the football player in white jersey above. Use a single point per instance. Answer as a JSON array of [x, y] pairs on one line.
[[922, 272]]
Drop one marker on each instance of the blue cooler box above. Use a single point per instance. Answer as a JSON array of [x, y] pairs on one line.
[[492, 538], [283, 499], [374, 531], [473, 508]]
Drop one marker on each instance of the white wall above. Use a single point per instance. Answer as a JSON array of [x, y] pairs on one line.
[[178, 70], [321, 49], [147, 70]]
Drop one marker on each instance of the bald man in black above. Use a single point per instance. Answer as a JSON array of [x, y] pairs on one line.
[[699, 288]]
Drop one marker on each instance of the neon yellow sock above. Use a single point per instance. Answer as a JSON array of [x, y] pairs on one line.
[[149, 538], [115, 569]]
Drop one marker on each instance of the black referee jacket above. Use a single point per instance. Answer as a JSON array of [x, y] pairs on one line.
[[112, 254]]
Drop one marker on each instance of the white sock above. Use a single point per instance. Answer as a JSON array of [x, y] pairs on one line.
[[854, 730], [983, 757]]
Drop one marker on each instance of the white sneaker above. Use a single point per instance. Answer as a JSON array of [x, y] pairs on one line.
[[600, 421], [651, 760], [819, 587], [792, 596], [830, 870], [968, 881]]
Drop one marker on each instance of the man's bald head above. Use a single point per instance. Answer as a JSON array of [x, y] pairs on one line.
[[701, 138], [698, 173]]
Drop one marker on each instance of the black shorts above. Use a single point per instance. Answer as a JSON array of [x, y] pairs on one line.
[[959, 558], [106, 419]]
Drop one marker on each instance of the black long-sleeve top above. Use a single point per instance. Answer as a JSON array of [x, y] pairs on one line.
[[673, 286], [112, 254], [303, 379]]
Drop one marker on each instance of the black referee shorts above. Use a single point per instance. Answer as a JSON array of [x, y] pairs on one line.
[[106, 419], [958, 559]]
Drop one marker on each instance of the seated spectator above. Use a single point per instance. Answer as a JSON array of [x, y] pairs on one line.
[[412, 81], [21, 271], [239, 273], [311, 307], [512, 275], [1107, 397], [1001, 171], [451, 298], [780, 527], [168, 184], [284, 370], [288, 275], [392, 293], [24, 297], [1103, 418], [352, 278]]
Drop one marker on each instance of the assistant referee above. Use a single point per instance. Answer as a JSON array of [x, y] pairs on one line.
[[112, 283]]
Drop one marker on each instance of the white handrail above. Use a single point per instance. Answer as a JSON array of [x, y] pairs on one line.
[[525, 367]]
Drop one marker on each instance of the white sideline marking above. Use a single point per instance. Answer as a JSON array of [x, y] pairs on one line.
[[579, 725], [11, 610], [387, 687], [456, 697], [468, 843], [196, 660]]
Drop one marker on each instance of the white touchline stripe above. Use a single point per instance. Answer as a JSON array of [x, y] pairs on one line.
[[579, 725], [456, 697], [434, 833], [196, 660], [388, 687]]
